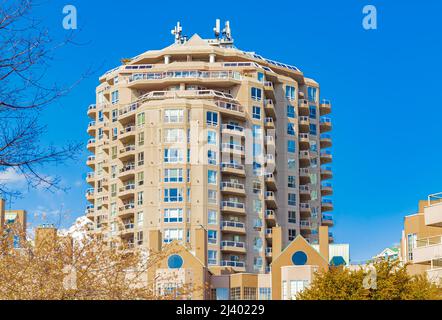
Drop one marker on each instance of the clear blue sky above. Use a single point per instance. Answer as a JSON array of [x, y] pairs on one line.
[[384, 85]]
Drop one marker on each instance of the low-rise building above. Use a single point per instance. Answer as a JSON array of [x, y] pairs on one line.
[[12, 224]]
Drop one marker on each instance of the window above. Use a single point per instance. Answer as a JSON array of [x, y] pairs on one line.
[[411, 244], [290, 129], [257, 264], [173, 155], [313, 146], [173, 215], [291, 164], [115, 96], [291, 111], [173, 116], [313, 112], [173, 195], [291, 182], [114, 152], [141, 138], [211, 177], [220, 294], [140, 218], [256, 187], [113, 209], [292, 216], [265, 294], [211, 217], [284, 290], [235, 293], [312, 94], [292, 234], [173, 234], [292, 199], [290, 92], [211, 137], [249, 293], [291, 146], [139, 238], [113, 190], [257, 132], [212, 236], [256, 94], [173, 135], [212, 196], [188, 175], [114, 115], [313, 129], [140, 196], [297, 286], [256, 113], [140, 119], [140, 178], [173, 175], [211, 157], [140, 158], [212, 118], [260, 76], [211, 257]]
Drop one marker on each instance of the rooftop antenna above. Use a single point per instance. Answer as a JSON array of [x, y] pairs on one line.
[[217, 29], [227, 32], [177, 31]]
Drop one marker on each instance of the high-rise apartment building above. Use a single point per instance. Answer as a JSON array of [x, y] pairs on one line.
[[201, 133]]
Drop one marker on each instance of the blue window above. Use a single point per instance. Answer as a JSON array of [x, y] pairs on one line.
[[212, 236], [312, 96], [188, 155], [291, 146], [211, 157], [211, 257], [175, 262], [211, 137], [299, 258], [313, 130], [292, 199], [212, 118], [211, 177], [173, 195], [260, 77], [312, 112], [290, 129], [256, 112], [290, 92], [256, 94], [291, 111]]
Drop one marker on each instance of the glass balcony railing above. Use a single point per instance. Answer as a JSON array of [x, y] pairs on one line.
[[234, 244], [235, 264], [233, 224]]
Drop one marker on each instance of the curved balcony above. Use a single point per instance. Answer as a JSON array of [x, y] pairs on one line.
[[325, 140], [326, 173], [326, 205], [91, 128], [91, 145], [303, 108], [127, 210], [270, 199], [269, 107], [90, 178], [326, 156], [127, 152], [233, 246], [127, 132], [269, 123], [90, 194], [234, 188], [127, 113], [325, 107], [270, 181], [327, 220], [89, 211], [304, 176], [304, 141], [233, 168], [233, 207], [232, 130], [326, 189], [304, 124], [325, 124], [270, 217], [233, 227], [127, 229], [92, 111], [128, 170], [90, 162], [127, 191], [237, 266]]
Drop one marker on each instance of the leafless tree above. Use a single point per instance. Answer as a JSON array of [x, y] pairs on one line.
[[26, 50]]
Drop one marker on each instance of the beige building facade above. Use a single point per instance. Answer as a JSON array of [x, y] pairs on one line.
[[202, 134], [13, 224], [421, 244]]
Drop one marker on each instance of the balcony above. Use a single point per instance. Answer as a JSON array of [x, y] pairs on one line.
[[233, 207], [126, 191], [89, 211], [127, 210], [270, 181], [326, 189], [92, 110], [91, 145], [304, 124], [91, 128], [270, 144], [303, 108], [304, 192], [269, 123], [127, 132], [305, 208], [270, 217], [233, 227], [326, 173], [127, 152], [228, 187], [233, 168], [325, 124], [325, 140], [127, 113], [270, 199], [128, 229], [270, 160], [325, 107], [326, 156], [90, 177], [232, 130], [305, 225], [232, 109], [269, 252], [127, 171], [327, 220], [304, 141], [304, 176], [268, 87], [427, 249], [269, 107], [326, 205], [237, 266], [304, 159], [269, 235], [90, 194], [90, 162], [433, 212], [234, 149], [233, 247]]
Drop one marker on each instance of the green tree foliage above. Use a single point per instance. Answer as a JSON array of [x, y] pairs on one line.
[[392, 282]]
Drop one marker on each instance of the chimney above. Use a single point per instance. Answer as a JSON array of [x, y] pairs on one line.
[[201, 245], [155, 240], [277, 241], [323, 242]]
